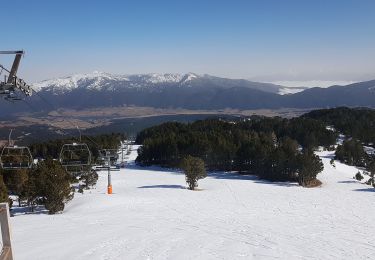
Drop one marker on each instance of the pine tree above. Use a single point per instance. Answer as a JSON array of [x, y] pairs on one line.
[[358, 176], [371, 173], [352, 152], [30, 191], [194, 170], [89, 179], [310, 166], [53, 184], [15, 181]]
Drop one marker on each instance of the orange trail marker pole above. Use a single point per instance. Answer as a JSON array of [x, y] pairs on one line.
[[109, 188]]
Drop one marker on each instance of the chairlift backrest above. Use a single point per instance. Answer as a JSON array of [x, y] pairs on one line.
[[108, 153], [75, 154], [16, 157]]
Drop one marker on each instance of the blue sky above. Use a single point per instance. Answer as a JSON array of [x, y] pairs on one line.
[[261, 39]]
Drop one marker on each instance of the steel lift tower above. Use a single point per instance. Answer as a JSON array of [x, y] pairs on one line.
[[11, 82]]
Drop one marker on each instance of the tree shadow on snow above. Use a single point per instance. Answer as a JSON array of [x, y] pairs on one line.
[[162, 186], [366, 190], [277, 183], [351, 181], [152, 168], [215, 175], [249, 177], [231, 176], [16, 211]]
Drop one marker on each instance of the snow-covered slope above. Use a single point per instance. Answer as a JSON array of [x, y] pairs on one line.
[[152, 216]]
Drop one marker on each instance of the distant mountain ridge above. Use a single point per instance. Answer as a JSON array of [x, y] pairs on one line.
[[188, 91], [112, 82]]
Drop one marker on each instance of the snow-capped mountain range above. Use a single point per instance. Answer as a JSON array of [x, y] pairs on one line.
[[105, 81], [111, 82], [102, 80], [188, 91]]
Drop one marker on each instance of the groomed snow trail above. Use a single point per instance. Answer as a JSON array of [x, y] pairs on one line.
[[152, 216]]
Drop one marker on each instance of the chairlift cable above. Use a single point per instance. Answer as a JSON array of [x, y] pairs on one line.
[[54, 108], [73, 167], [51, 124], [64, 118]]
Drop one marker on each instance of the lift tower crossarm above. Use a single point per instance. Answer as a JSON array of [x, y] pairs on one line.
[[12, 52], [16, 64], [13, 80]]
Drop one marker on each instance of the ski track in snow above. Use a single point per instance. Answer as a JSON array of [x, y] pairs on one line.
[[152, 216]]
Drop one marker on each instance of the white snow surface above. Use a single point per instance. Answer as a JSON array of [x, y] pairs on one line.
[[290, 90], [152, 216]]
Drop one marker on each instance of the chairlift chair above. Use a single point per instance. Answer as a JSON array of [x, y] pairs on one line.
[[16, 157], [111, 153], [104, 155], [75, 157]]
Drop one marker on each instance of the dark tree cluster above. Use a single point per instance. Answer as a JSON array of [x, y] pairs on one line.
[[352, 152], [268, 147], [48, 183], [51, 149], [357, 123]]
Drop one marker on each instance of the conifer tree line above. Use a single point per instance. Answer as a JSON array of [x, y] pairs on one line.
[[275, 149], [352, 152], [356, 123], [51, 149], [358, 127], [48, 183]]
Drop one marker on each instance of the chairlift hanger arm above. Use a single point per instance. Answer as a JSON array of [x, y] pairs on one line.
[[13, 81], [12, 52], [16, 64]]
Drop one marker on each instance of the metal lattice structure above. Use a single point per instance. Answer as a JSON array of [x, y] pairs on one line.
[[12, 85], [111, 153], [14, 157], [75, 158]]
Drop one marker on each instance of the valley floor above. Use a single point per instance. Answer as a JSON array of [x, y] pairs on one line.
[[152, 216]]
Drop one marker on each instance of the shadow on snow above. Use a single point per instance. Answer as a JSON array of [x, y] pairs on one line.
[[133, 166], [351, 181], [162, 187], [366, 190], [17, 211], [213, 174]]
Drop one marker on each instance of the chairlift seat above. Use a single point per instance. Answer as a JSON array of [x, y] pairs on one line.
[[75, 157], [16, 157]]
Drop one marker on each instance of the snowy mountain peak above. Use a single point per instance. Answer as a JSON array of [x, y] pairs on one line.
[[91, 80], [98, 80], [189, 76]]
